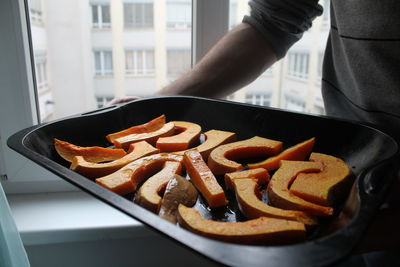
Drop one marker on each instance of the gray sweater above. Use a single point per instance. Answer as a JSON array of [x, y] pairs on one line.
[[361, 69]]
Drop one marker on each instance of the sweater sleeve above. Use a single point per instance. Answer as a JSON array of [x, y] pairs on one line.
[[282, 22]]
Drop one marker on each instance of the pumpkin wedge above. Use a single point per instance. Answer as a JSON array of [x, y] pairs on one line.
[[247, 195], [127, 179], [278, 188], [147, 127], [221, 159], [92, 153], [214, 138], [178, 191], [151, 137], [260, 174], [188, 136], [327, 187], [203, 179], [148, 195], [297, 152], [261, 231], [95, 170]]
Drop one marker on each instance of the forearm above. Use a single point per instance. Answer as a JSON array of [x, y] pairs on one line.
[[236, 60]]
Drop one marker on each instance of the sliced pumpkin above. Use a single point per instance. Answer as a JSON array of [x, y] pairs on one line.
[[127, 179], [94, 170], [297, 152], [278, 188], [151, 137], [260, 174], [214, 138], [178, 191], [148, 195], [247, 195], [151, 126], [187, 137], [203, 179], [260, 231], [92, 153], [221, 159], [327, 187]]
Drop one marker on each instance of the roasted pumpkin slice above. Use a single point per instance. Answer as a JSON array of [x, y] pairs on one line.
[[278, 188], [327, 187], [147, 127], [94, 170], [178, 191], [92, 153], [203, 179], [222, 159], [127, 179], [213, 139], [260, 174], [247, 195], [298, 152], [261, 231], [188, 136], [151, 137], [148, 195]]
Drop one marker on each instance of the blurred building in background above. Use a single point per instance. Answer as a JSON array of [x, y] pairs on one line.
[[87, 52]]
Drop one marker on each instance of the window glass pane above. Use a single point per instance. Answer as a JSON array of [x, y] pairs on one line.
[[179, 15], [78, 70], [138, 15], [95, 15], [105, 13], [297, 76]]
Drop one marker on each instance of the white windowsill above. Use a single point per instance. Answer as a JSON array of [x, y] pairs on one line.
[[70, 217]]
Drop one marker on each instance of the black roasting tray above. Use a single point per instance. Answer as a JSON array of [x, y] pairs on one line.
[[370, 154]]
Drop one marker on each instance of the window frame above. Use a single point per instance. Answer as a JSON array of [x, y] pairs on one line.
[[100, 24], [210, 20]]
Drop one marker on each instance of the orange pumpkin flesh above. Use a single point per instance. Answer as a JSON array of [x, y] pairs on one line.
[[261, 231], [92, 153], [214, 138], [260, 174], [151, 137], [327, 187], [278, 188], [203, 179], [252, 207], [148, 194], [147, 127], [297, 152], [221, 159], [127, 179], [94, 170], [188, 137]]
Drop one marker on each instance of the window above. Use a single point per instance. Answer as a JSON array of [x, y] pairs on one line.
[[101, 16], [294, 104], [35, 11], [179, 14], [139, 62], [138, 15], [298, 65], [41, 71], [178, 61], [258, 99], [103, 64], [103, 100]]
